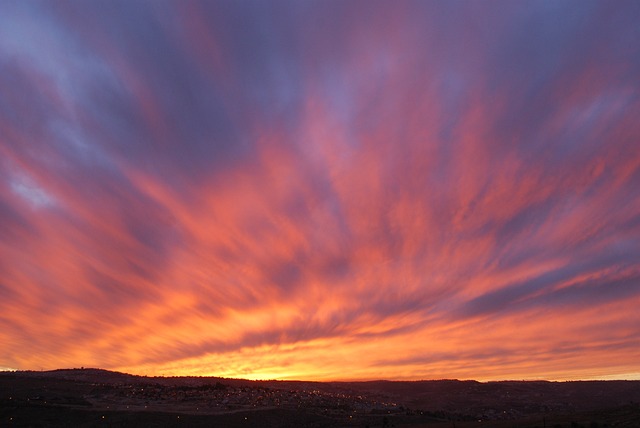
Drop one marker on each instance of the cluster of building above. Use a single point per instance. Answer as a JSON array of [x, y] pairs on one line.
[[220, 398]]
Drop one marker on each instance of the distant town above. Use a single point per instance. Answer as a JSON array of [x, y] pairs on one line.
[[92, 397]]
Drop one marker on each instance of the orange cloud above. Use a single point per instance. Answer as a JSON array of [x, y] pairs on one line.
[[404, 203]]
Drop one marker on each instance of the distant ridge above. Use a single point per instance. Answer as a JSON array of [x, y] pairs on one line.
[[97, 375], [464, 400], [93, 375], [109, 377]]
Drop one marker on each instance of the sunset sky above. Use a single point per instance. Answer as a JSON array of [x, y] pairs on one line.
[[328, 190]]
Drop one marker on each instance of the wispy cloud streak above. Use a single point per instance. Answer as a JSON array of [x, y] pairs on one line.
[[304, 190]]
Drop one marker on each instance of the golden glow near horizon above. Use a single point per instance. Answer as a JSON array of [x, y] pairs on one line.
[[320, 192]]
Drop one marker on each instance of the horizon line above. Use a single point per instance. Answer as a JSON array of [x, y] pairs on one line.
[[629, 377]]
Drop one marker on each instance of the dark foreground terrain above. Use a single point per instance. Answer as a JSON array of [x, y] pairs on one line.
[[99, 398]]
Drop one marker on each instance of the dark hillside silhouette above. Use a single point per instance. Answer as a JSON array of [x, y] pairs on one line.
[[93, 397]]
